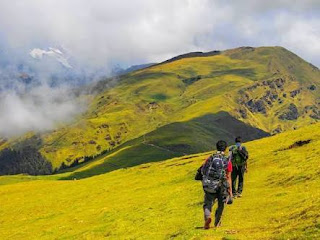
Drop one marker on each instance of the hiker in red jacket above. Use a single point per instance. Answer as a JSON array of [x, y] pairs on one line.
[[215, 174]]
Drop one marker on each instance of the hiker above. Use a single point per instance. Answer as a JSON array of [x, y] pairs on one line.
[[215, 174], [239, 156]]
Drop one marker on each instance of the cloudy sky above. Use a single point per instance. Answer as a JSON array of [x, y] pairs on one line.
[[98, 34]]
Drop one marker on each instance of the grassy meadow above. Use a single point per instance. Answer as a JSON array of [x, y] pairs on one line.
[[161, 200]]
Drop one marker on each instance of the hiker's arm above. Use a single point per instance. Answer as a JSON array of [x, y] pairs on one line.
[[230, 155], [230, 184], [228, 176]]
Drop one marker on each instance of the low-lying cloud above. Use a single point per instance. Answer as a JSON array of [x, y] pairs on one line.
[[96, 35], [39, 109]]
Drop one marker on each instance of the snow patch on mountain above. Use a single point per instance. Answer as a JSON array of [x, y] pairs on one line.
[[38, 53]]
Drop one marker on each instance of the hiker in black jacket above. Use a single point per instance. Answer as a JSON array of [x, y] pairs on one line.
[[215, 174], [239, 156]]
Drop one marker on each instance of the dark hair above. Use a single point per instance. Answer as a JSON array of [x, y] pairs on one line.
[[221, 145], [238, 139]]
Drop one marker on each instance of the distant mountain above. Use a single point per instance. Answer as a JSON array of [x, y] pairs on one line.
[[119, 71], [184, 105], [50, 67]]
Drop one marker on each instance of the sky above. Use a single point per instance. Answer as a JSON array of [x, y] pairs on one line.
[[138, 31], [96, 34]]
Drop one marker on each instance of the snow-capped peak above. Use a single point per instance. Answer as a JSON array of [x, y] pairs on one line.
[[38, 53]]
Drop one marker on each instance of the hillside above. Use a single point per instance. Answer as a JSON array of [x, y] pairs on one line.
[[268, 89], [162, 201]]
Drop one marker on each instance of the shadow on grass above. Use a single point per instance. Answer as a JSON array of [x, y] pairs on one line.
[[172, 140]]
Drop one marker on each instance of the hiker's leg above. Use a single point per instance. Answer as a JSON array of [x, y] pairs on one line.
[[219, 210], [207, 205], [241, 179], [234, 175]]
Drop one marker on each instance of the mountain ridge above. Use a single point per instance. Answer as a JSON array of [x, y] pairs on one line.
[[268, 88]]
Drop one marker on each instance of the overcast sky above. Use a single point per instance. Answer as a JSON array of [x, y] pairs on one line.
[[98, 32]]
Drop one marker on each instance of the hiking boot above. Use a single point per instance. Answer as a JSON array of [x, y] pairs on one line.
[[235, 195], [218, 225], [207, 223], [239, 195]]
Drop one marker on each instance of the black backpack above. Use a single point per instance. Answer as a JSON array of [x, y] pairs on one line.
[[213, 173]]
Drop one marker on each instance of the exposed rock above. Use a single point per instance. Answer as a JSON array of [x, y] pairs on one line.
[[280, 82], [108, 137], [153, 105], [104, 125], [295, 93], [257, 106], [290, 114], [312, 87], [92, 142], [277, 130], [315, 114], [243, 113]]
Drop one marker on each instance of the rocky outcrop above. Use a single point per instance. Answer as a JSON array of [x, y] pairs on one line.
[[276, 130], [312, 87], [315, 114], [257, 106], [272, 88], [290, 114], [295, 92], [243, 113]]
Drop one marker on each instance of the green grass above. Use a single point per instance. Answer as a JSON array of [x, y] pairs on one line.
[[162, 201], [172, 140]]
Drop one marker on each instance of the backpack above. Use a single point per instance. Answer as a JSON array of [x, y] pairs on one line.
[[213, 173], [238, 157]]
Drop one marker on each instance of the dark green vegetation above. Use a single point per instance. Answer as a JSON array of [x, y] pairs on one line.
[[173, 108], [24, 157], [173, 140]]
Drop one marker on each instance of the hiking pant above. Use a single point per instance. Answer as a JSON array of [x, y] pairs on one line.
[[237, 172], [209, 199]]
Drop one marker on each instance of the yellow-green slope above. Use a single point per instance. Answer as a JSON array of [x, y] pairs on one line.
[[268, 88], [162, 201]]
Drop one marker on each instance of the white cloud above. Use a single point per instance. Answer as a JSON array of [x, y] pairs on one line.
[[38, 110], [97, 34], [135, 31]]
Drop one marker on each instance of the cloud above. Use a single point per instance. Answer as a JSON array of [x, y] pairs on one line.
[[131, 32], [40, 109], [96, 35]]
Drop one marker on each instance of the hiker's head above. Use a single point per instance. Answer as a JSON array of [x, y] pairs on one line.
[[238, 139], [221, 145]]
